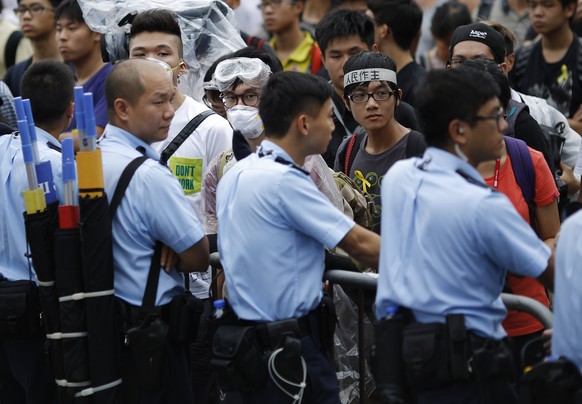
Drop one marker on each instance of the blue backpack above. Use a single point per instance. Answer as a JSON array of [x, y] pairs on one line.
[[524, 172]]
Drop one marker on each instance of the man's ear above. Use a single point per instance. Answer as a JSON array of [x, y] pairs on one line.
[[122, 108], [70, 110], [383, 30], [347, 104], [458, 131], [302, 124], [375, 47]]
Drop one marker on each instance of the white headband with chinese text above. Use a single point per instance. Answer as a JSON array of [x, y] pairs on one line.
[[365, 75]]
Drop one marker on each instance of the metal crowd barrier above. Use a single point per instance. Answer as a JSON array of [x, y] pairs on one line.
[[363, 282]]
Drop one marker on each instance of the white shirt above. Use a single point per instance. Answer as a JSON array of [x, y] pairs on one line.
[[189, 163]]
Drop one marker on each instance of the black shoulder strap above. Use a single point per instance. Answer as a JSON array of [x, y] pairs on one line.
[[124, 181], [415, 144], [183, 135], [149, 298], [521, 64], [11, 47]]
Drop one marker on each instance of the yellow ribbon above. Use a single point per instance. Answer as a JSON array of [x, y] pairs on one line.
[[564, 76], [365, 183]]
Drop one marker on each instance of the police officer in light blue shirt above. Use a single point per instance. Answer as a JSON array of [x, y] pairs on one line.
[[139, 100], [274, 224], [448, 240], [568, 292], [24, 372]]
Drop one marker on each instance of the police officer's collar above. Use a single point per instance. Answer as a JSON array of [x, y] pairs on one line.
[[115, 132], [44, 136], [268, 148], [435, 157]]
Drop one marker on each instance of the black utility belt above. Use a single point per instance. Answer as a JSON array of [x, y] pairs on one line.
[[241, 350], [20, 310], [437, 354]]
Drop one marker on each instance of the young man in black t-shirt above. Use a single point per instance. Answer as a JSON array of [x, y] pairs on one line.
[[372, 94], [549, 68], [397, 25], [341, 34]]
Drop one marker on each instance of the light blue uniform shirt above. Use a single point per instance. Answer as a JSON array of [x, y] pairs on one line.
[[13, 264], [448, 243], [153, 208], [568, 292], [273, 225]]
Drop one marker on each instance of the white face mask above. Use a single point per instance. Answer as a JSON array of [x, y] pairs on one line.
[[246, 120]]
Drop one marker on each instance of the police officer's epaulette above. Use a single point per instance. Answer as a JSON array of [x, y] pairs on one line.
[[472, 180], [281, 160], [54, 147]]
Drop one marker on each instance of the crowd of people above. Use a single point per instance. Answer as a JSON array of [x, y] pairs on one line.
[[456, 126]]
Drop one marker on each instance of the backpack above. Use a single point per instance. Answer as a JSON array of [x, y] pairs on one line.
[[554, 139], [524, 172], [11, 47]]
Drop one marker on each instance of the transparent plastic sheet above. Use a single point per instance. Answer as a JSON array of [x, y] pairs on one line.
[[209, 31], [321, 176], [346, 353]]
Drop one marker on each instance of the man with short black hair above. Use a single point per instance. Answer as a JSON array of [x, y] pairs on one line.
[[37, 22], [397, 31], [340, 34], [272, 235], [25, 375], [549, 68], [295, 48], [448, 269], [82, 47]]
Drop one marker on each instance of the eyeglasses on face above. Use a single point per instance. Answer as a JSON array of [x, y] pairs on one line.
[[379, 95], [499, 117], [248, 99], [33, 9], [456, 62]]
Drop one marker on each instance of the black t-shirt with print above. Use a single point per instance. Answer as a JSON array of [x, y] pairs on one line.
[[558, 83]]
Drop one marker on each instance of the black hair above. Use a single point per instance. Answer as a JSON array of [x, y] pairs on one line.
[[254, 53], [48, 85], [286, 95], [449, 94], [496, 73], [368, 60], [342, 23], [71, 10], [508, 36], [157, 20], [404, 18], [448, 17]]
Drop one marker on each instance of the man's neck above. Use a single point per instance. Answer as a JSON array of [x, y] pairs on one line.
[[288, 40], [382, 139], [87, 67], [559, 40], [56, 129], [401, 57], [179, 99], [45, 48], [292, 147]]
